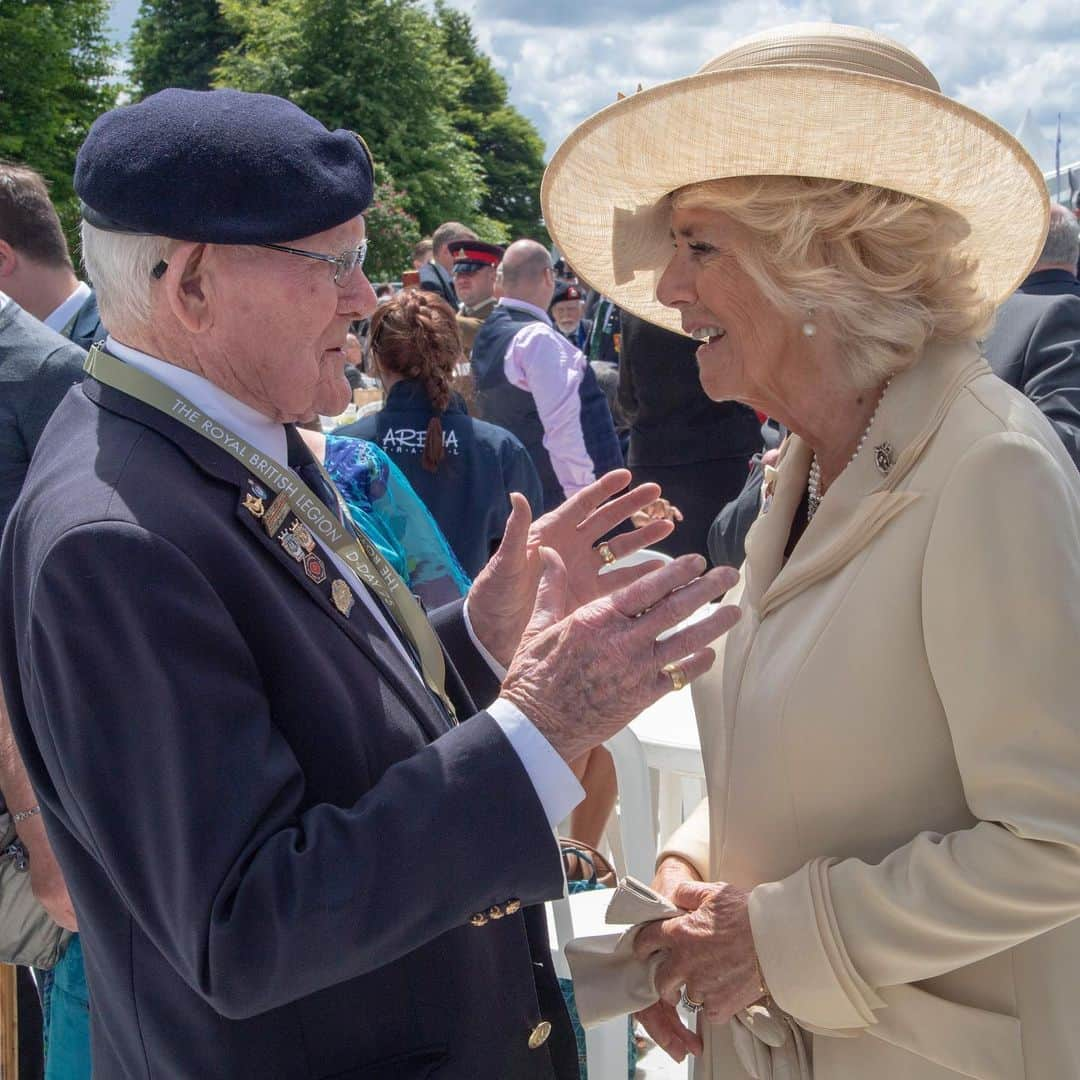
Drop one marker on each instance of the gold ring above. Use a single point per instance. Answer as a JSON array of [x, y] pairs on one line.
[[689, 1003], [676, 674], [605, 553]]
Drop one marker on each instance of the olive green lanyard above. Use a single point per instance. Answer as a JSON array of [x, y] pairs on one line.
[[357, 551]]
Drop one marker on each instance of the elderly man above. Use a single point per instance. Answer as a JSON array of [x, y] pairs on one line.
[[567, 311], [296, 844], [530, 379], [475, 265]]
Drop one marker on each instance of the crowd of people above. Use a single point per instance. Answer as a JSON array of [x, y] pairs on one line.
[[291, 711]]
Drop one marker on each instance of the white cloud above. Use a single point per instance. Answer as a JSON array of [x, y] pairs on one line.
[[565, 59]]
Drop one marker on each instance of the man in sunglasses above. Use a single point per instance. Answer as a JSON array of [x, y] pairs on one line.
[[305, 829], [475, 263]]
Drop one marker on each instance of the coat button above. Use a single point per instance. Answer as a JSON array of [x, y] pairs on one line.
[[495, 912], [513, 906], [479, 919], [539, 1035]]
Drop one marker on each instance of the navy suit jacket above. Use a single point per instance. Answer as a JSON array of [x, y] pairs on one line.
[[273, 840], [1035, 346], [87, 328]]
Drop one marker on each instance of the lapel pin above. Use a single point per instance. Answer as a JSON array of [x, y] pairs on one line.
[[303, 536], [276, 515], [254, 505], [315, 568], [342, 596], [292, 545], [884, 457]]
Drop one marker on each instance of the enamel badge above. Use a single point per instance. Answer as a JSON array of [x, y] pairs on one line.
[[254, 505], [342, 596], [276, 515]]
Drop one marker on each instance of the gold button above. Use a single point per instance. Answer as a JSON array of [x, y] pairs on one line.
[[539, 1035], [496, 912], [513, 907], [479, 919]]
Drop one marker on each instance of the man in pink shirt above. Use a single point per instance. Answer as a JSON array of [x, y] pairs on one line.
[[533, 381]]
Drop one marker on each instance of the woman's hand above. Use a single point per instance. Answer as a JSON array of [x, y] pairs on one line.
[[658, 510], [502, 597], [662, 1020], [710, 950]]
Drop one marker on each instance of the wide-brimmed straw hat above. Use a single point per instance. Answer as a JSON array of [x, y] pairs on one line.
[[816, 100]]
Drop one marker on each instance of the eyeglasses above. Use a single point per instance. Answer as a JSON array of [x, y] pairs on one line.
[[344, 264]]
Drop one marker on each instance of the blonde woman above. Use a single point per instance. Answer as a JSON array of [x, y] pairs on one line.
[[887, 868]]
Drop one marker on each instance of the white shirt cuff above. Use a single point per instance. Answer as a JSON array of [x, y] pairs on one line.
[[556, 786], [492, 663]]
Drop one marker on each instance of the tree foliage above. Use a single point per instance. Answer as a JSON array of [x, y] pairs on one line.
[[178, 43], [509, 148], [55, 63], [413, 82]]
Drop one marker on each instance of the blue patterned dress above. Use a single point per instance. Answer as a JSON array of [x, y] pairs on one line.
[[385, 506]]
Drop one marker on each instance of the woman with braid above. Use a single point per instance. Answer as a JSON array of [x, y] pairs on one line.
[[463, 469]]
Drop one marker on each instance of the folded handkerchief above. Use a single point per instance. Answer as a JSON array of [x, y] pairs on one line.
[[610, 981]]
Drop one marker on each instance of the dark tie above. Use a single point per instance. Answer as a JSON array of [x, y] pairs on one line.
[[302, 462]]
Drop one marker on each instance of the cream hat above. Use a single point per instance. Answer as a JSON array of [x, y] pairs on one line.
[[813, 99]]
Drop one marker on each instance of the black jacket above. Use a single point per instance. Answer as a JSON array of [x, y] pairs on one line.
[[273, 842], [469, 493], [435, 279], [37, 368], [1035, 347]]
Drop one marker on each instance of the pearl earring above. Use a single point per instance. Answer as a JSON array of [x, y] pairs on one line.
[[809, 328]]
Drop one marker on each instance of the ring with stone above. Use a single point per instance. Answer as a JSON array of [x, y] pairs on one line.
[[676, 674], [605, 553], [690, 1004]]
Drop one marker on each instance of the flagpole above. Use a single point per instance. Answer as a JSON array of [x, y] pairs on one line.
[[1057, 158]]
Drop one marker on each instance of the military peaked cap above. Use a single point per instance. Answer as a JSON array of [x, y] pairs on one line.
[[220, 167], [474, 254]]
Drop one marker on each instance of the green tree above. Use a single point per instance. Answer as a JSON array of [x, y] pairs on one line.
[[376, 67], [509, 148], [55, 66], [178, 43], [392, 231]]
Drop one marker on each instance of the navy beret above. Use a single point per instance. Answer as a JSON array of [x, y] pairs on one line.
[[565, 290], [220, 167]]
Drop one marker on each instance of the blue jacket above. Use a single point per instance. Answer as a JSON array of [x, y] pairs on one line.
[[469, 494]]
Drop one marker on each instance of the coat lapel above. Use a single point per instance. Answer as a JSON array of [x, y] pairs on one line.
[[277, 535], [358, 625], [869, 493]]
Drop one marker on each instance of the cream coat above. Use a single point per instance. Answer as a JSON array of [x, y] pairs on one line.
[[892, 741]]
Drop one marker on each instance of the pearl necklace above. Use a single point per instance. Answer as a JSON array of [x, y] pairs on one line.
[[814, 494]]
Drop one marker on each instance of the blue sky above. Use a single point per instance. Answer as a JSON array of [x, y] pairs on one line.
[[565, 59]]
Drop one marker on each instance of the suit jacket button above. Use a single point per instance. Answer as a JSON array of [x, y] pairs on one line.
[[513, 906], [479, 919], [495, 912], [539, 1035]]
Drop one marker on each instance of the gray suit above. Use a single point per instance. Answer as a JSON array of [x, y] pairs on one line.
[[37, 366], [1035, 346]]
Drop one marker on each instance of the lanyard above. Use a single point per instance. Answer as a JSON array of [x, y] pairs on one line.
[[352, 546]]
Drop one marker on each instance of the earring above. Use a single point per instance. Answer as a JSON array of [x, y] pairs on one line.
[[809, 328]]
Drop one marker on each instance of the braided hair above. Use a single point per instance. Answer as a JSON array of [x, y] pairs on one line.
[[415, 335]]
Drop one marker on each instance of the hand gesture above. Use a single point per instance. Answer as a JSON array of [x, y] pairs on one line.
[[584, 675], [502, 596]]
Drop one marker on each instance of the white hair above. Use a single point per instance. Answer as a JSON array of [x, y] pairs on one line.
[[119, 266]]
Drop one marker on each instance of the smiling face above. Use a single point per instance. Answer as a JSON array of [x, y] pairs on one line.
[[749, 347], [280, 324]]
